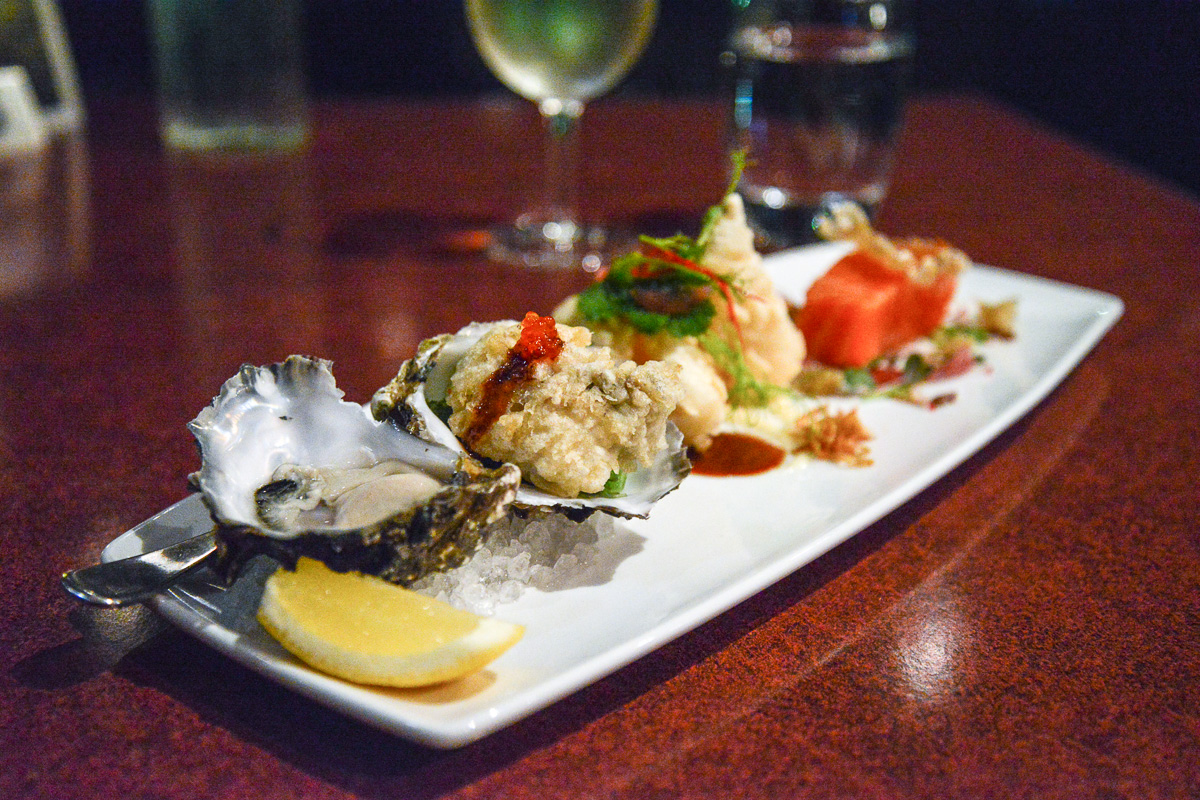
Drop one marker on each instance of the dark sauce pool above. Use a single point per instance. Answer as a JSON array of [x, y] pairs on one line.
[[733, 454]]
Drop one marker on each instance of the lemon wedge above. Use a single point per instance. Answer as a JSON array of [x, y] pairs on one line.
[[366, 630]]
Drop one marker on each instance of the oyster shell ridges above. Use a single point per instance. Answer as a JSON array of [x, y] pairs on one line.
[[436, 536], [293, 412]]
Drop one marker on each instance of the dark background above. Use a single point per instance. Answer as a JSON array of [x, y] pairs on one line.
[[1121, 75]]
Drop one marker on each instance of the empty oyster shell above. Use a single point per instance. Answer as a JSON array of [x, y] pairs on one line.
[[414, 397], [291, 469]]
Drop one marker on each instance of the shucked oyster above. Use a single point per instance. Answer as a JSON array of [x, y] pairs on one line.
[[291, 469], [571, 424]]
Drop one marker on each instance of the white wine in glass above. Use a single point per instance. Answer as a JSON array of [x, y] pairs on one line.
[[559, 54]]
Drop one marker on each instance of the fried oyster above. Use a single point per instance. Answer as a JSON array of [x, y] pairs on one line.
[[588, 431]]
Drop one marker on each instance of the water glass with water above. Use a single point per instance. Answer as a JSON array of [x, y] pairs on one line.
[[820, 87], [230, 74]]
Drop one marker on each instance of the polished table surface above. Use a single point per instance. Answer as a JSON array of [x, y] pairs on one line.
[[1059, 567]]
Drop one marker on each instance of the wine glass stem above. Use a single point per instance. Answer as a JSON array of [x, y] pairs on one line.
[[560, 121]]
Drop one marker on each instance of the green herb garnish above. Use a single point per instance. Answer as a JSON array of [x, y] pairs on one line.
[[859, 381], [613, 487], [650, 295], [745, 390], [975, 333], [662, 286], [916, 369]]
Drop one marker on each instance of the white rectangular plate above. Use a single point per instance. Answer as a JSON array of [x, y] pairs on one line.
[[706, 547]]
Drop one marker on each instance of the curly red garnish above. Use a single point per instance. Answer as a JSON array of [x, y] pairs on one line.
[[662, 254]]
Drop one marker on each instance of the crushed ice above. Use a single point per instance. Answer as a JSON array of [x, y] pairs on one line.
[[548, 553]]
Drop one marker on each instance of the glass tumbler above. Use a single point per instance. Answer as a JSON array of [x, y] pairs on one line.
[[819, 93]]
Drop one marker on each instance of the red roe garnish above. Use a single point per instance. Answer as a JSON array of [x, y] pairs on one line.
[[539, 339]]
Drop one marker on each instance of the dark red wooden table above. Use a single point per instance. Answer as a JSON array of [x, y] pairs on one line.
[[1060, 566]]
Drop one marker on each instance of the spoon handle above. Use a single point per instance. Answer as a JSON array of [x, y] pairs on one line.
[[135, 579]]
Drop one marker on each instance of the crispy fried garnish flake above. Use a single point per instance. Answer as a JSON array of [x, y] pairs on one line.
[[839, 437], [999, 319], [923, 260], [819, 381]]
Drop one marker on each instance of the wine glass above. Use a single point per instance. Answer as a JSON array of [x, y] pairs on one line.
[[559, 54]]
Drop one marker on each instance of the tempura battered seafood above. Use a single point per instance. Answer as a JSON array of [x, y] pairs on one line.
[[588, 432], [572, 425], [758, 320], [709, 307]]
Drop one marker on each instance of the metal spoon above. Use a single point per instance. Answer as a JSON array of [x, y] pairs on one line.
[[138, 578]]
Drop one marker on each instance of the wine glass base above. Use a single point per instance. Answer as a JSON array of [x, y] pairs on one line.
[[557, 245]]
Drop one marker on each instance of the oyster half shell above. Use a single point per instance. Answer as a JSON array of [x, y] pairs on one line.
[[412, 400], [277, 438]]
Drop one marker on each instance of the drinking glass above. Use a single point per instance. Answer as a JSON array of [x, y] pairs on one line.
[[230, 74], [820, 92], [560, 54]]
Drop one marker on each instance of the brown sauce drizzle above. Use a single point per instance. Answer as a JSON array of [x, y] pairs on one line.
[[539, 341], [733, 454]]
